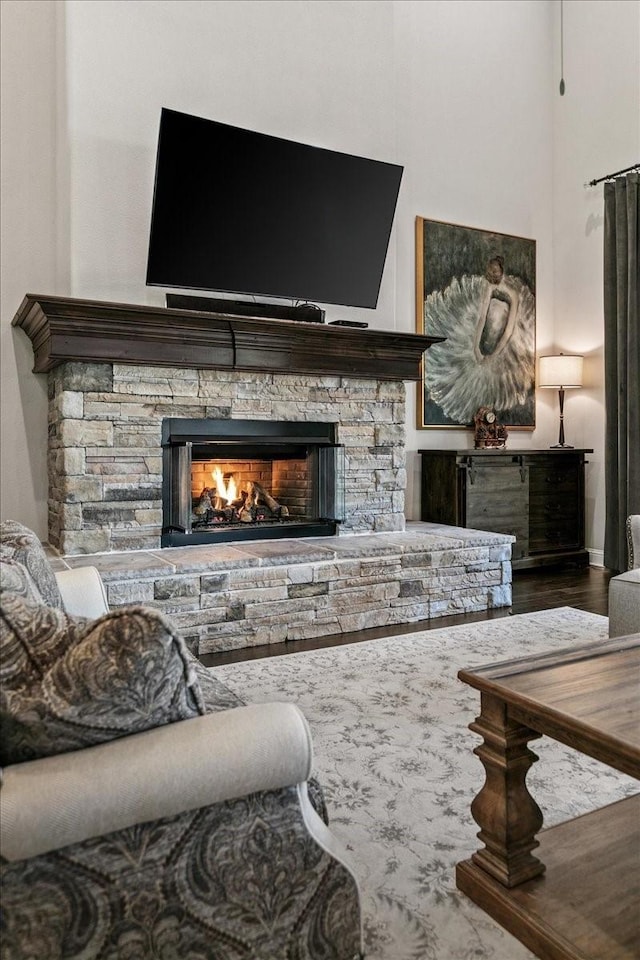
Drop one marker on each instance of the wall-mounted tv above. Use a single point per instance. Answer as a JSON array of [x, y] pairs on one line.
[[240, 212]]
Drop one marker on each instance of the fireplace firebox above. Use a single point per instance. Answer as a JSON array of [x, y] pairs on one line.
[[226, 480]]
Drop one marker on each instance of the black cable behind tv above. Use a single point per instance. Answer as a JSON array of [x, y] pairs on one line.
[[305, 312]]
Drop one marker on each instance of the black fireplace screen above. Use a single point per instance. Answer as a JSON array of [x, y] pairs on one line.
[[226, 480]]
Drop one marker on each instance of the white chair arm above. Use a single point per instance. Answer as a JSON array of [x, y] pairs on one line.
[[83, 593], [51, 803]]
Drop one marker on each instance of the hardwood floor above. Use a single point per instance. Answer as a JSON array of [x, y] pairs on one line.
[[584, 589]]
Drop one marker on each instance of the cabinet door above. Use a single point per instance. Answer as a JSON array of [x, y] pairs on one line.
[[556, 520], [438, 502], [496, 496]]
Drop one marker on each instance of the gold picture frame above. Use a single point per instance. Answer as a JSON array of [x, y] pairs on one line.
[[477, 289]]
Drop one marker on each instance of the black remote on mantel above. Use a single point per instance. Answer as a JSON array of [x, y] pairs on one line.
[[348, 323]]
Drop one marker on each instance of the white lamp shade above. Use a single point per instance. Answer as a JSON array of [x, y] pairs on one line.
[[563, 372]]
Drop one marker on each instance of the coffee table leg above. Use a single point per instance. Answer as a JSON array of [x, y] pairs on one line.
[[505, 811]]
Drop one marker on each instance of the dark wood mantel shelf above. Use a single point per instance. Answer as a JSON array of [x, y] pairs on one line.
[[62, 329]]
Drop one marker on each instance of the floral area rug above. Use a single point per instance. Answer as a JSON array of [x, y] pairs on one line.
[[394, 755]]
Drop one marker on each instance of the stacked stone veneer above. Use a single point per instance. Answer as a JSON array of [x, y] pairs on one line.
[[105, 458], [222, 597]]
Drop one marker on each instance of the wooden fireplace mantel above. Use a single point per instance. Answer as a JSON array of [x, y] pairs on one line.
[[92, 331]]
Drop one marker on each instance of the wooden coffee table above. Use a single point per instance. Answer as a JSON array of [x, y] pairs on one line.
[[579, 896]]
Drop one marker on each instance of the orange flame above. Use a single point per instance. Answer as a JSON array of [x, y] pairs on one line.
[[227, 491]]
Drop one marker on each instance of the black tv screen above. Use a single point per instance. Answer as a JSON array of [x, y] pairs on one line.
[[246, 213]]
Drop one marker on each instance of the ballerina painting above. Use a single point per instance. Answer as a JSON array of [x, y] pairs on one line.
[[476, 288]]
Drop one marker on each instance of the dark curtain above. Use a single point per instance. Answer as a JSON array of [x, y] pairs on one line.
[[622, 364]]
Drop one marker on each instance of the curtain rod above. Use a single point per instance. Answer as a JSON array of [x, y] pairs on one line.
[[610, 176]]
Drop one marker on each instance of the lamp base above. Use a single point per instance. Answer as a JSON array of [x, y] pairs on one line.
[[561, 446]]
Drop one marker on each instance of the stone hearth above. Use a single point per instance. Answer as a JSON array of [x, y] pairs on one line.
[[117, 371], [227, 596]]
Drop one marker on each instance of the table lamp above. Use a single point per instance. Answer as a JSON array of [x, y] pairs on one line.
[[561, 372]]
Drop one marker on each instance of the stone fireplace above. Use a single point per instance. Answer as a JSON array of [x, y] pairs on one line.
[[307, 421], [118, 371]]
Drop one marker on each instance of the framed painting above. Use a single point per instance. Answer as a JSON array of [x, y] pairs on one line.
[[476, 288]]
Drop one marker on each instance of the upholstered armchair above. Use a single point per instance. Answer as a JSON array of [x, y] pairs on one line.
[[147, 812], [624, 590]]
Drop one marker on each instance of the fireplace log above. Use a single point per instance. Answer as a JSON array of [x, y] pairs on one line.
[[256, 492], [204, 504]]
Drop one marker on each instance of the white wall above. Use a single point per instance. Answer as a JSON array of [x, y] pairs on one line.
[[29, 250], [459, 91], [596, 132]]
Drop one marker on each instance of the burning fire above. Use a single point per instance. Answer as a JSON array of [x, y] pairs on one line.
[[226, 491]]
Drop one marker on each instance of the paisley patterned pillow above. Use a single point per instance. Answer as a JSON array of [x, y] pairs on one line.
[[21, 544], [15, 578], [71, 683], [33, 636]]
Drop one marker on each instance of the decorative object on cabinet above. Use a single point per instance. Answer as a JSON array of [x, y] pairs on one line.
[[561, 372], [535, 495], [488, 432], [475, 288]]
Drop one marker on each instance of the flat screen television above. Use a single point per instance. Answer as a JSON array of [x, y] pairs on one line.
[[240, 212]]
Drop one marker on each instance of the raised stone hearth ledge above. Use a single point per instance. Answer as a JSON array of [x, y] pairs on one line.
[[62, 329], [225, 597]]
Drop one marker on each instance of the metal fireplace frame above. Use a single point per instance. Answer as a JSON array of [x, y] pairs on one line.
[[251, 438]]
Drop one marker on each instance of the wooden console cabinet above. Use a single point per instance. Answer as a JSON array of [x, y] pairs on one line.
[[535, 495]]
